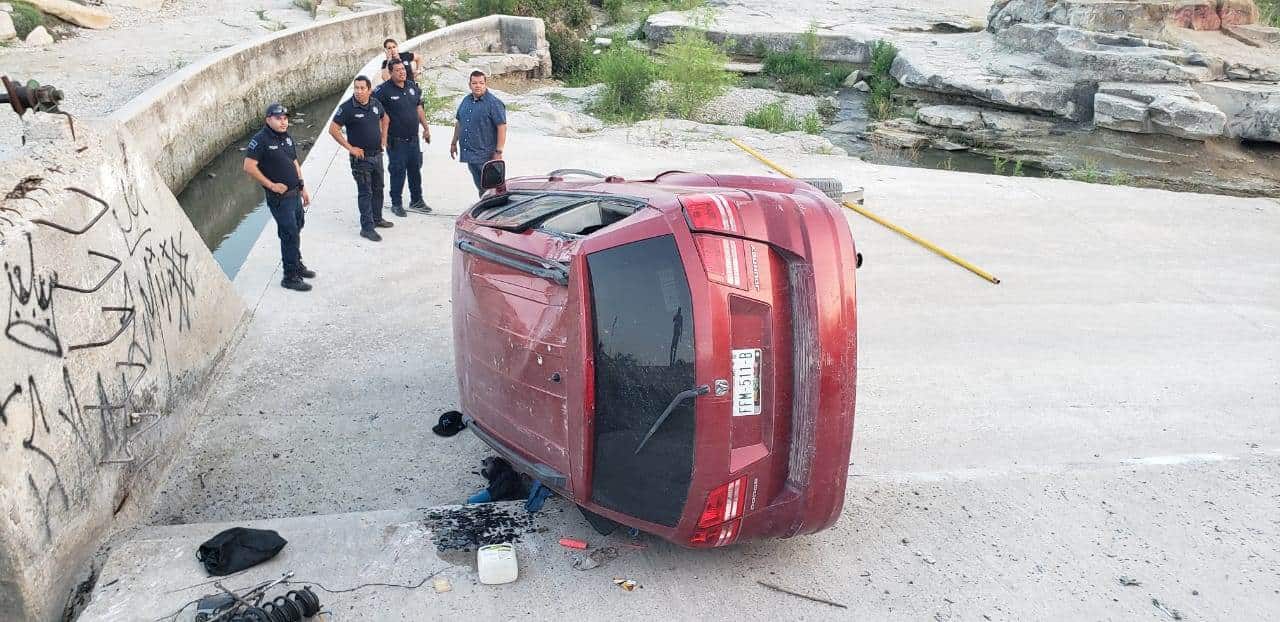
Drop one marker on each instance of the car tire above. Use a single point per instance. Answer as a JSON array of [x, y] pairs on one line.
[[833, 188]]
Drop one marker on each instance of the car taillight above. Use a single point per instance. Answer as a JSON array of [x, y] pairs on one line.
[[719, 535], [724, 259], [711, 212], [718, 524]]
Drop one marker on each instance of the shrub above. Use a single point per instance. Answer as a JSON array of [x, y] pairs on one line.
[[627, 75], [811, 123], [880, 101], [694, 69], [571, 58], [773, 118], [614, 9], [26, 18], [1270, 12], [770, 117], [800, 70], [418, 14]]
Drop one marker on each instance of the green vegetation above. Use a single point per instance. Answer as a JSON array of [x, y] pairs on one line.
[[880, 102], [1270, 12], [627, 75], [1017, 168], [417, 15], [615, 9], [772, 118], [998, 164], [26, 18], [694, 72], [800, 70], [433, 103], [566, 23], [1090, 172]]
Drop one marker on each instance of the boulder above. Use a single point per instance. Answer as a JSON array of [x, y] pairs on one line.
[[745, 34], [7, 29], [1252, 110], [970, 66], [1172, 109], [957, 117], [1109, 57], [900, 134], [39, 36], [854, 78], [862, 86], [78, 14], [5, 7], [1148, 17], [1255, 35]]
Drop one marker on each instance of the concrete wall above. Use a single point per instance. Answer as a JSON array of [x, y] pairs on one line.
[[116, 315], [183, 122]]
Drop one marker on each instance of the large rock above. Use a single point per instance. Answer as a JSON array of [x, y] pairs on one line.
[[1173, 109], [971, 66], [985, 122], [78, 14], [1105, 56], [744, 35], [7, 30], [732, 107], [956, 117], [1255, 35], [1148, 17], [1252, 110], [39, 36]]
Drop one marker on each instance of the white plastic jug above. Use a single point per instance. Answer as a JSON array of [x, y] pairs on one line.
[[496, 564]]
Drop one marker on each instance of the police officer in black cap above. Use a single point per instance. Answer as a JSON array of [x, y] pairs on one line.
[[366, 123], [272, 160]]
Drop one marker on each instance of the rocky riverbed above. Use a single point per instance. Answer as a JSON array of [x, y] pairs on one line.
[[1184, 95]]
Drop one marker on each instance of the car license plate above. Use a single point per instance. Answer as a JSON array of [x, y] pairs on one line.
[[746, 382]]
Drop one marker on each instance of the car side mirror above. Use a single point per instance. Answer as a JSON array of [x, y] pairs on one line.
[[493, 174]]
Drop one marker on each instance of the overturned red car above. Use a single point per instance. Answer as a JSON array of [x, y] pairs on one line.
[[676, 354]]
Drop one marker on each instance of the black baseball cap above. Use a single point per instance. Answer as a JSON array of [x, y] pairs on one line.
[[276, 110], [450, 423]]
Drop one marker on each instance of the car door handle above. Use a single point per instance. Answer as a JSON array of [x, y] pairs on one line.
[[552, 273]]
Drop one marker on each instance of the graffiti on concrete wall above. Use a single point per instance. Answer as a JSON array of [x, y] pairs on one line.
[[91, 331]]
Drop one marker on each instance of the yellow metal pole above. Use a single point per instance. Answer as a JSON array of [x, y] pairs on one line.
[[871, 215]]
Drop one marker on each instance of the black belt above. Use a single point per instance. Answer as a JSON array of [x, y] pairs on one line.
[[403, 140]]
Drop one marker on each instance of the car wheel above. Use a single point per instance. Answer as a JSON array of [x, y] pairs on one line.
[[831, 187]]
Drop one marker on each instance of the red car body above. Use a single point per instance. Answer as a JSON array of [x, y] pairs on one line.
[[678, 355]]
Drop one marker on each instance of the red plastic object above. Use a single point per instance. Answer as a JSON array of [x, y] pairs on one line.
[[584, 311], [571, 543]]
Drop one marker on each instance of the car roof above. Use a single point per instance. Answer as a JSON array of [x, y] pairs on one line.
[[661, 192]]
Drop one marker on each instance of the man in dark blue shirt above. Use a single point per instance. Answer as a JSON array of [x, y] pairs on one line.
[[271, 159], [366, 123], [481, 127], [402, 99]]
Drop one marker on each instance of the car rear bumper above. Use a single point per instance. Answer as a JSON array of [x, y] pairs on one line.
[[543, 473]]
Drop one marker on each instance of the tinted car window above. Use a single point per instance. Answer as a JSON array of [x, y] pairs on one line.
[[522, 209], [643, 317]]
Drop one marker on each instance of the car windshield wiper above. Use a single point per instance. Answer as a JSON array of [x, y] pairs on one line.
[[680, 397]]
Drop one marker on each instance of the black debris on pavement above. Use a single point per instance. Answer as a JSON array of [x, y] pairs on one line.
[[469, 527]]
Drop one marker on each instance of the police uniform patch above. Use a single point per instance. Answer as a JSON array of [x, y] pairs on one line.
[[253, 144]]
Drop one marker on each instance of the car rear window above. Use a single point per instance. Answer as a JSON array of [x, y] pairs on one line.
[[644, 357], [521, 209]]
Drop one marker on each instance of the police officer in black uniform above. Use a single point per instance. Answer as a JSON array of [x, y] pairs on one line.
[[271, 159], [366, 123], [402, 99]]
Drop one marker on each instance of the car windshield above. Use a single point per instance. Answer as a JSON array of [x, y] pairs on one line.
[[644, 357]]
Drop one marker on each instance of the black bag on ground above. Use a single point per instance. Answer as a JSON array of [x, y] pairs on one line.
[[238, 548]]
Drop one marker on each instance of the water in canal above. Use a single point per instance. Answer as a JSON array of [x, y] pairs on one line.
[[226, 207]]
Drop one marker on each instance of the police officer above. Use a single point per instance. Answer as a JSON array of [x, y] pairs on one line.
[[272, 160], [402, 100], [366, 124]]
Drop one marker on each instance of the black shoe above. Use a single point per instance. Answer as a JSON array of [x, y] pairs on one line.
[[398, 211], [295, 283], [306, 272], [420, 206], [371, 235], [384, 224]]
